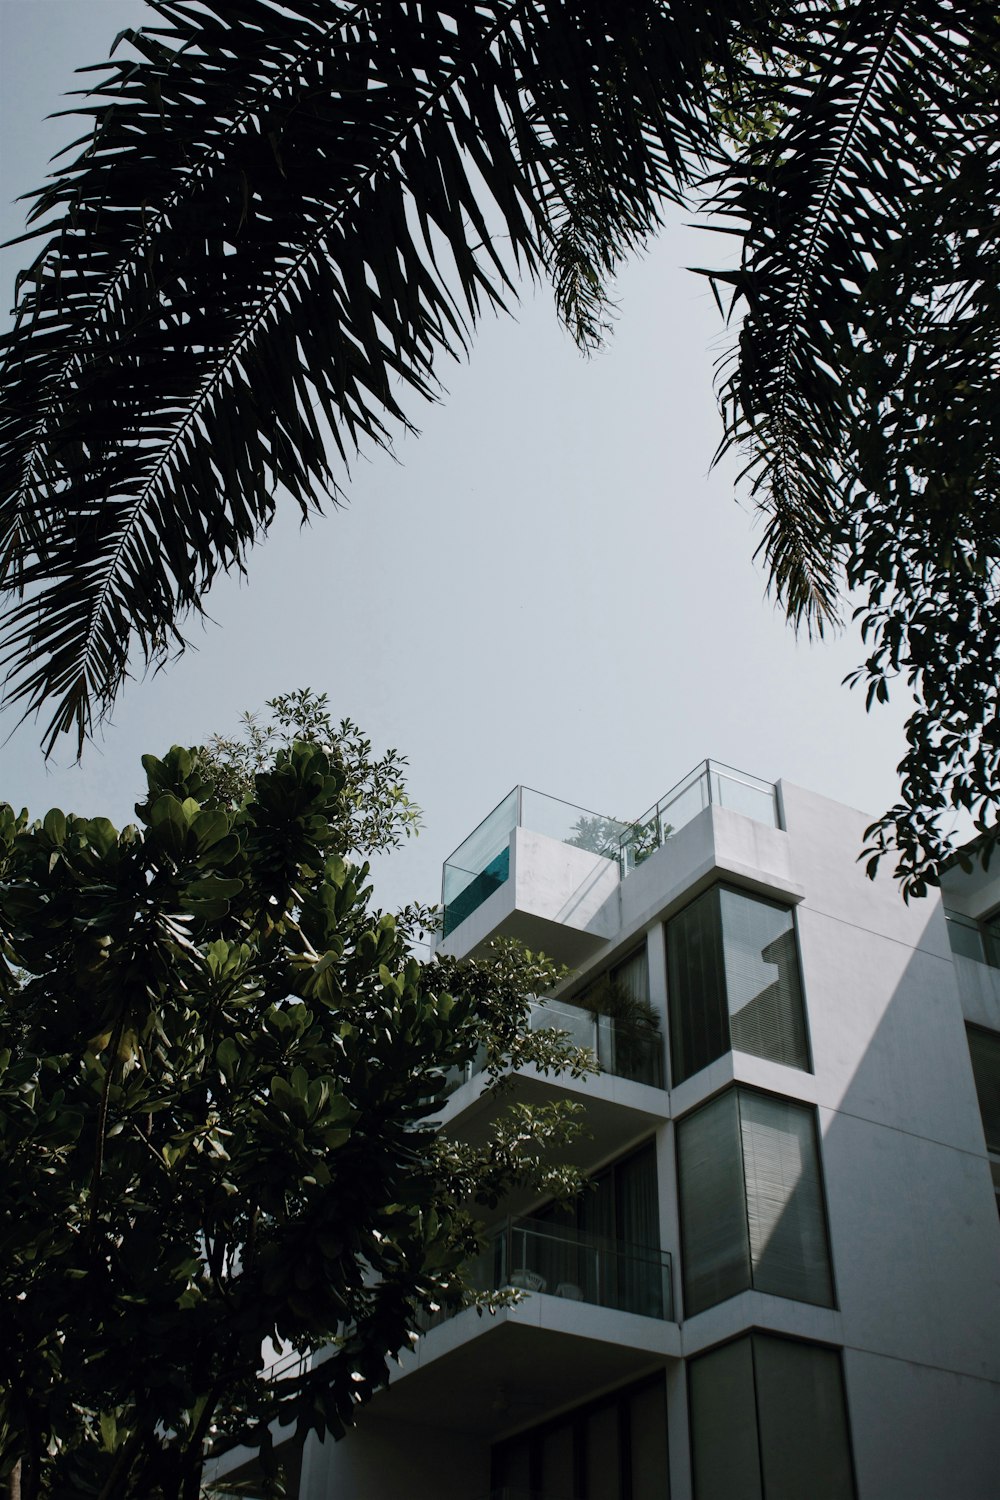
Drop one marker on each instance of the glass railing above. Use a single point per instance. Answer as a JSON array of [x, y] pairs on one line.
[[535, 1255], [620, 1048], [481, 863], [708, 785]]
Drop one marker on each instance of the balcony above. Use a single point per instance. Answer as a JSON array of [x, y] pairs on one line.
[[605, 1317], [559, 867], [535, 1255], [622, 1049], [708, 785], [481, 863]]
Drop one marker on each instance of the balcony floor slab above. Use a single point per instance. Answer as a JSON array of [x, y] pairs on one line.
[[489, 1374]]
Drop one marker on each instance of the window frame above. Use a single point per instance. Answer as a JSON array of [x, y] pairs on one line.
[[817, 1137], [717, 889], [972, 1029], [751, 1334], [986, 930]]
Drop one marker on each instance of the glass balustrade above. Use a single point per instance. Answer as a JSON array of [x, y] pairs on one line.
[[534, 1255], [708, 785], [625, 1050], [481, 863]]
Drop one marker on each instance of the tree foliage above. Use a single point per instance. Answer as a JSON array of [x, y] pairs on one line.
[[280, 219], [218, 1068], [863, 387]]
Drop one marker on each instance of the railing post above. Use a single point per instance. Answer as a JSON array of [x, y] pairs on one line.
[[520, 805]]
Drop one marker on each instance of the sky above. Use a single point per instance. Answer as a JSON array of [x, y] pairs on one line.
[[549, 585]]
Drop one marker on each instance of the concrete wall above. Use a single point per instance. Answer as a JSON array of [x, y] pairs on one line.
[[919, 1432], [562, 884], [913, 1222]]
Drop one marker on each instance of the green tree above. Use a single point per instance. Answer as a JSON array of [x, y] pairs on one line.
[[218, 1068], [278, 224]]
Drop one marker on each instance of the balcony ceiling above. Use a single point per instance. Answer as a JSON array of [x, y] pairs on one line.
[[501, 1373]]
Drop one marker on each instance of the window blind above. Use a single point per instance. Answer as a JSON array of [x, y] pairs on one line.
[[714, 1242], [633, 976], [648, 1431], [802, 1421], [769, 1422], [601, 1453], [751, 1200], [733, 975], [786, 1218]]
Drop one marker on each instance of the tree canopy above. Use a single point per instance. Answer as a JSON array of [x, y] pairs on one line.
[[218, 1071], [281, 218]]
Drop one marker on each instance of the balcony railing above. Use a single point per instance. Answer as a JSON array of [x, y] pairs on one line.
[[535, 1255], [708, 785], [481, 863], [625, 1050]]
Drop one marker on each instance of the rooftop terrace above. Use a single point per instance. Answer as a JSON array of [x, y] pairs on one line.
[[481, 863]]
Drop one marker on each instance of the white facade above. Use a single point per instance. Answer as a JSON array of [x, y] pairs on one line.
[[856, 1176]]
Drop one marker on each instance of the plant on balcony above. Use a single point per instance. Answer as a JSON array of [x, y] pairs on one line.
[[637, 1037], [643, 839], [597, 835], [216, 1059]]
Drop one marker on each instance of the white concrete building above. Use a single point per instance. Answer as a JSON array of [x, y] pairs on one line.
[[785, 1284]]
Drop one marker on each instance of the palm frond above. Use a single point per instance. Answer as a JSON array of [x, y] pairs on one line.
[[864, 388], [280, 218]]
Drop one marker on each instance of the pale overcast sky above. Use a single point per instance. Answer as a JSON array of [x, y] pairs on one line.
[[548, 587]]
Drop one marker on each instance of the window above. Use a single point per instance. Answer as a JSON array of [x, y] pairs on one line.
[[769, 1422], [620, 1203], [733, 977], [612, 1449], [972, 939], [984, 1049], [751, 1201], [614, 1254], [629, 1039]]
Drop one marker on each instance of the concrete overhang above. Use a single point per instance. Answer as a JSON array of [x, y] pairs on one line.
[[571, 904], [617, 1115], [490, 1374], [556, 900]]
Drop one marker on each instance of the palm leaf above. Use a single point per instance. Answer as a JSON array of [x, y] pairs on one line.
[[864, 390], [281, 217]]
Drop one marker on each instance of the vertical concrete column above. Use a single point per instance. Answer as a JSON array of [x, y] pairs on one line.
[[678, 1432], [656, 958], [670, 1229]]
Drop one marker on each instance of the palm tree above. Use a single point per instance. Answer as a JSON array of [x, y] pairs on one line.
[[283, 215]]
